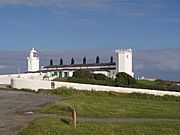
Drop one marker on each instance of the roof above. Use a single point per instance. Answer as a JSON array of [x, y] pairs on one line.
[[81, 65], [94, 69]]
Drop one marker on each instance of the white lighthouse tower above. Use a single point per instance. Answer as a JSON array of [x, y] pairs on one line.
[[124, 61], [33, 61]]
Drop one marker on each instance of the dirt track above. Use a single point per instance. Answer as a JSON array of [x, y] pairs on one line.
[[13, 104]]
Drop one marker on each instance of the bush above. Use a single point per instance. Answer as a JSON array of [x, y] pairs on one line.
[[101, 77], [82, 73], [123, 79]]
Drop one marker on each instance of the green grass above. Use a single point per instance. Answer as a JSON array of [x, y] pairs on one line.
[[143, 84], [147, 83], [108, 104], [54, 126]]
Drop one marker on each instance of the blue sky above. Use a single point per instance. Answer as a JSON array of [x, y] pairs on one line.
[[84, 24], [66, 28]]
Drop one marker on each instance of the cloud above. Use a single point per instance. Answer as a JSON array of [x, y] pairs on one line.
[[3, 66], [82, 21], [161, 60], [58, 3], [157, 63], [19, 23], [169, 20], [123, 7]]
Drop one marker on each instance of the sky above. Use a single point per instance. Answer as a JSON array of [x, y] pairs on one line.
[[92, 27]]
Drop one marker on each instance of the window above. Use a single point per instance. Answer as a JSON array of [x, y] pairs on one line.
[[35, 54]]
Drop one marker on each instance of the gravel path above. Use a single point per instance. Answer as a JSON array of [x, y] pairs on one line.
[[120, 119], [13, 103]]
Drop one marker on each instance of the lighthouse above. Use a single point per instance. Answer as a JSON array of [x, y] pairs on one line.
[[33, 61], [124, 61]]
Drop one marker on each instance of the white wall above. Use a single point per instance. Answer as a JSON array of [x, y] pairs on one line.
[[33, 61], [37, 84], [102, 72], [124, 61], [21, 83], [6, 79]]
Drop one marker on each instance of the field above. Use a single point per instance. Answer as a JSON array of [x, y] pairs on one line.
[[54, 126], [115, 105], [107, 105]]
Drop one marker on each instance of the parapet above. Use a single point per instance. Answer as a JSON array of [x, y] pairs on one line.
[[124, 50]]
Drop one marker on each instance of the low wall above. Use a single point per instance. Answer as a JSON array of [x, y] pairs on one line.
[[6, 79], [20, 83], [23, 83]]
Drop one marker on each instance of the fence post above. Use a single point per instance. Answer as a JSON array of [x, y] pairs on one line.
[[74, 118]]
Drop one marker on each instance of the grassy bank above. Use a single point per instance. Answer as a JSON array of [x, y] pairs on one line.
[[54, 126], [117, 105], [144, 84]]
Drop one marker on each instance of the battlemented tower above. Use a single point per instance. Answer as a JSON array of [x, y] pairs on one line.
[[124, 61], [33, 61]]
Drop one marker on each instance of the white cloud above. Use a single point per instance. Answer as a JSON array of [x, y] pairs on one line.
[[169, 20], [158, 63], [19, 23], [137, 8], [162, 60], [59, 3], [3, 66]]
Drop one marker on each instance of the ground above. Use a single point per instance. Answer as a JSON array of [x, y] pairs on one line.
[[107, 113], [13, 104]]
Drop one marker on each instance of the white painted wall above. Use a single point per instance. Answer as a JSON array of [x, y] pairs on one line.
[[33, 61], [102, 72], [124, 61], [6, 79], [20, 83]]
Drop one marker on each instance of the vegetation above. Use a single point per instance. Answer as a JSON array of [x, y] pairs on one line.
[[83, 74], [122, 80], [55, 126], [106, 105], [158, 85], [109, 104]]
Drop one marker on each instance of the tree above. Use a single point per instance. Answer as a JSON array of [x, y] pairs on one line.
[[84, 60], [124, 79], [111, 59], [83, 73], [97, 59], [51, 62], [72, 61], [61, 61]]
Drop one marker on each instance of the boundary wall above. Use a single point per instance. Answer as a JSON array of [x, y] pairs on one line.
[[6, 79], [20, 83]]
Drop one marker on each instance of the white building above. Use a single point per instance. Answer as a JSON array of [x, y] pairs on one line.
[[123, 64], [33, 61], [124, 61]]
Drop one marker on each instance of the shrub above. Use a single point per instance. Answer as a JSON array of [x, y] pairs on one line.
[[123, 79], [82, 73], [100, 77]]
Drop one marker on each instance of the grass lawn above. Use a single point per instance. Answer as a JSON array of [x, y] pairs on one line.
[[54, 126], [114, 105], [144, 84]]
